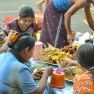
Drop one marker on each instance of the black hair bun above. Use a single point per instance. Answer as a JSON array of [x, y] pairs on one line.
[[10, 45]]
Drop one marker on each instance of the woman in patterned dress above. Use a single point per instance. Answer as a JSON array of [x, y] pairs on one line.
[[56, 28], [24, 23]]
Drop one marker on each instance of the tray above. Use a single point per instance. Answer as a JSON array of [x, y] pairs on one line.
[[50, 64], [68, 80]]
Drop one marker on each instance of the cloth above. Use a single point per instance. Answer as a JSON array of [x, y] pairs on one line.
[[62, 4], [13, 25], [83, 84], [53, 27], [15, 77]]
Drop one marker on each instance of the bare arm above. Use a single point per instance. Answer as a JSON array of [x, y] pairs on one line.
[[46, 2], [70, 62], [89, 16], [42, 84], [4, 47], [78, 5]]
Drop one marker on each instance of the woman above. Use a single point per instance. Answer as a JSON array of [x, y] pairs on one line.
[[84, 83], [56, 28], [24, 23], [15, 77]]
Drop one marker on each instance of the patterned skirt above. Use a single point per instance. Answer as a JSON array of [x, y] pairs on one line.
[[53, 28]]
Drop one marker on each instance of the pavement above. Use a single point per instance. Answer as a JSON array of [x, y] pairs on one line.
[[11, 8]]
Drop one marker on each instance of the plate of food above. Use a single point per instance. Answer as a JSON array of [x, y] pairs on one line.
[[49, 63], [39, 71], [71, 72]]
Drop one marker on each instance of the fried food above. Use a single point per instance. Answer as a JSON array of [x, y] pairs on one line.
[[71, 50], [71, 72], [39, 71], [53, 55]]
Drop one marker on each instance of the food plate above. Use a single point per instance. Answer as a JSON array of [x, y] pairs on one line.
[[38, 73], [52, 64]]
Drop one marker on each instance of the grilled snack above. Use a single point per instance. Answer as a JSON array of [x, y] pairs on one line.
[[71, 72], [40, 71], [53, 55]]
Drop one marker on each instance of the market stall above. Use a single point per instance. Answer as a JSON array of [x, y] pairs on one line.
[[51, 56]]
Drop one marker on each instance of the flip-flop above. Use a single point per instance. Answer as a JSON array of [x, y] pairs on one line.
[[39, 7]]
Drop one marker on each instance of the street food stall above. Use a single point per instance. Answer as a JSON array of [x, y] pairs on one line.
[[55, 57]]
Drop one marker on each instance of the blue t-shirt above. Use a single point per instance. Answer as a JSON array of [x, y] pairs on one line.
[[15, 77], [62, 4]]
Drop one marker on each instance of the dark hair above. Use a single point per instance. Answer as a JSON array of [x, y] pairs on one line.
[[25, 40], [85, 56], [26, 11]]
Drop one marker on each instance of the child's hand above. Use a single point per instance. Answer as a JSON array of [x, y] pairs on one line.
[[70, 62]]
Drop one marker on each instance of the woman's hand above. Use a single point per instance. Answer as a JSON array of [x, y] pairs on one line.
[[48, 70], [71, 37], [35, 76], [11, 32]]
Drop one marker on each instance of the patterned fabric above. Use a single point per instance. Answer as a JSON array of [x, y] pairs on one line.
[[84, 84], [15, 77], [13, 25], [51, 27]]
